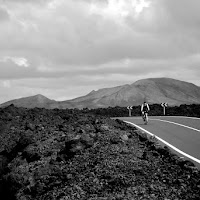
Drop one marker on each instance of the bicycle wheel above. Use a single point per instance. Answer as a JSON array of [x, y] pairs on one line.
[[146, 119]]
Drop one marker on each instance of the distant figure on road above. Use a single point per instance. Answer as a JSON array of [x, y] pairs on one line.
[[145, 109]]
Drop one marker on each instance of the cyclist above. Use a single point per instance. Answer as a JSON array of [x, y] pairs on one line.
[[145, 109]]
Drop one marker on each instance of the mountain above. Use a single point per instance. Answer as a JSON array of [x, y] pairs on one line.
[[39, 101], [153, 90]]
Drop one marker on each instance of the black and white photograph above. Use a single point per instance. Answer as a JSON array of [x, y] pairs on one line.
[[99, 99]]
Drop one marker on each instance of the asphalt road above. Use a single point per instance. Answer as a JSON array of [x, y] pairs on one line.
[[181, 134]]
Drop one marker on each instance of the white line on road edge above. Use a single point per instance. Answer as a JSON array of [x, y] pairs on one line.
[[166, 143], [194, 129], [179, 117]]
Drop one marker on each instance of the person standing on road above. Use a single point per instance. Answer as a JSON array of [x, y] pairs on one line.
[[145, 109]]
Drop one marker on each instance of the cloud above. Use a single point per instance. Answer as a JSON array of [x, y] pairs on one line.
[[189, 17], [3, 14], [60, 45], [78, 36], [21, 62], [27, 1], [116, 10], [6, 84], [85, 36]]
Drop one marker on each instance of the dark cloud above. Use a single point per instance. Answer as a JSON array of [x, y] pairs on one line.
[[3, 14]]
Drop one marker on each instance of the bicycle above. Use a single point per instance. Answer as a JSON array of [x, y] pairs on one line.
[[145, 117]]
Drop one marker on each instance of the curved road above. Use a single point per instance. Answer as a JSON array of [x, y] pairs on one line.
[[181, 134]]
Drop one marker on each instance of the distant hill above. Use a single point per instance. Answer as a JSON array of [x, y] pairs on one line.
[[39, 101], [153, 90]]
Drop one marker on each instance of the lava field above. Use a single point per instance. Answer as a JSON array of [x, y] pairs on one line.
[[69, 155]]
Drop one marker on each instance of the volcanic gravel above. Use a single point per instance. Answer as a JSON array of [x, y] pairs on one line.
[[68, 155]]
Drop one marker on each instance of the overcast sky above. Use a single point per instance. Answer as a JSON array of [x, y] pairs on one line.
[[65, 48]]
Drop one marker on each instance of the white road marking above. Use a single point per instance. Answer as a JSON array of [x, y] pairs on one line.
[[179, 117], [166, 143], [194, 129]]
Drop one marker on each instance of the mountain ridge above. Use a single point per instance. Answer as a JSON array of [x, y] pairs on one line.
[[152, 90], [38, 100]]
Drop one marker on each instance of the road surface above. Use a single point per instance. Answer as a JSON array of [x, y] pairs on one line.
[[181, 134]]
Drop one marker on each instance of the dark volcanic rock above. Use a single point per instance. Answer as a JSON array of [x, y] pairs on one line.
[[31, 154], [66, 154], [76, 144]]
